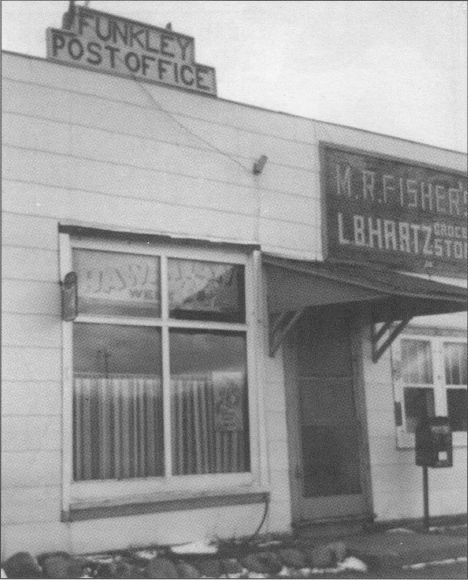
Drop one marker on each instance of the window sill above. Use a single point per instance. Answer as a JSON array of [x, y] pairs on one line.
[[162, 503]]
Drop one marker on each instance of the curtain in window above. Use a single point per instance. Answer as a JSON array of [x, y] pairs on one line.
[[118, 427], [199, 443]]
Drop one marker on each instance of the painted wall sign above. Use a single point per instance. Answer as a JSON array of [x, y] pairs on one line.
[[117, 283], [391, 212], [103, 42]]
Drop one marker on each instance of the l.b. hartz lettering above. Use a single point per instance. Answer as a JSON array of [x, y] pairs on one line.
[[104, 42], [396, 213]]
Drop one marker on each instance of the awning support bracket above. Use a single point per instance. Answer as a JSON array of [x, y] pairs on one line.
[[281, 327], [391, 335]]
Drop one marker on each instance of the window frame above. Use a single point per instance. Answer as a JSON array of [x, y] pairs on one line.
[[168, 486], [436, 339]]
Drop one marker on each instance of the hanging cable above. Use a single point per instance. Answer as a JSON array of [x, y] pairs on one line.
[[181, 125]]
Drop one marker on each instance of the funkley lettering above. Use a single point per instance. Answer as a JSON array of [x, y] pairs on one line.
[[104, 42]]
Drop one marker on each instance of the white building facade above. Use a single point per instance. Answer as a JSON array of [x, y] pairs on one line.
[[223, 362]]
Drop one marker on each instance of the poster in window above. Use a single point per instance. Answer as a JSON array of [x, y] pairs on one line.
[[206, 290], [228, 395]]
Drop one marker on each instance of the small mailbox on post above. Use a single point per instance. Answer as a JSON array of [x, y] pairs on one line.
[[434, 443], [433, 449]]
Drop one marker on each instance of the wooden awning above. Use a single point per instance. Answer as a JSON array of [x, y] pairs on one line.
[[389, 296]]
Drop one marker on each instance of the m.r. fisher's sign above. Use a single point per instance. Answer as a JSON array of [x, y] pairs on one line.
[[385, 211], [103, 42]]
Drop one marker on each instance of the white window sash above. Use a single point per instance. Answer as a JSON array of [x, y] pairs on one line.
[[406, 439], [168, 485]]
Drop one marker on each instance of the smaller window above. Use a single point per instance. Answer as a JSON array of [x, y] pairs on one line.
[[419, 405], [430, 379], [416, 361], [456, 374]]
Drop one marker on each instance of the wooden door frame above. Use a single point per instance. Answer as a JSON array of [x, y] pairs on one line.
[[358, 335]]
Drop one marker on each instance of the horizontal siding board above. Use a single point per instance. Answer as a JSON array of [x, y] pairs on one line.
[[36, 504], [289, 235], [289, 180], [148, 95], [158, 185], [127, 120], [37, 167], [249, 144], [147, 154], [201, 107], [35, 538], [27, 297], [151, 185], [31, 398], [31, 330], [29, 264], [32, 433], [131, 120], [29, 364], [32, 132], [278, 206], [29, 231], [158, 218], [31, 469], [32, 99]]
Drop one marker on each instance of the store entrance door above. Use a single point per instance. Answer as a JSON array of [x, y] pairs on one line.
[[328, 468]]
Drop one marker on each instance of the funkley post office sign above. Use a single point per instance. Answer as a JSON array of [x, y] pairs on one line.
[[103, 42], [400, 214]]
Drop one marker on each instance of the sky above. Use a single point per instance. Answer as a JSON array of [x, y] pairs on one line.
[[393, 67]]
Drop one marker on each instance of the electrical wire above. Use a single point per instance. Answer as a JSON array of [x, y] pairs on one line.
[[180, 124], [265, 513]]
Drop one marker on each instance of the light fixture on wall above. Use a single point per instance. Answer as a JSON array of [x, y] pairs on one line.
[[259, 165]]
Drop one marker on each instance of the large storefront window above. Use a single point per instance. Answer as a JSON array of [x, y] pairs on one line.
[[430, 379], [159, 367]]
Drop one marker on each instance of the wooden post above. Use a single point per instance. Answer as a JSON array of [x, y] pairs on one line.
[[426, 496]]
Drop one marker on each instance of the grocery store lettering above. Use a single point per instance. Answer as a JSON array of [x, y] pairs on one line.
[[438, 240]]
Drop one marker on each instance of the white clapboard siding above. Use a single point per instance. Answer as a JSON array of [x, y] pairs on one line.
[[31, 398], [29, 231], [134, 120], [28, 364], [29, 297], [41, 72], [38, 433], [29, 505], [38, 264], [32, 132], [31, 330], [31, 468]]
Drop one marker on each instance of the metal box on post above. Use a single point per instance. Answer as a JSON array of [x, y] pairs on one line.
[[434, 443]]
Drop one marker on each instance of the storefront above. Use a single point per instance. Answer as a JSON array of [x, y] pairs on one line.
[[214, 314]]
